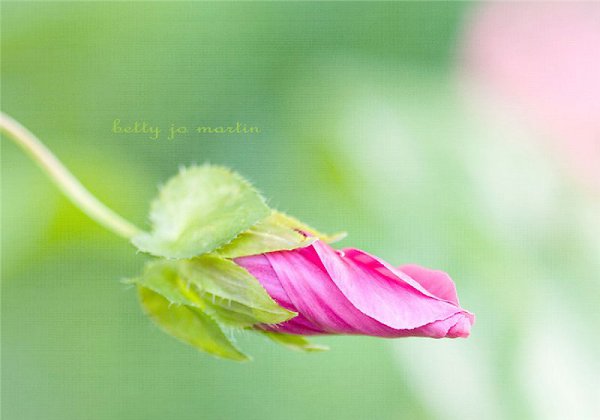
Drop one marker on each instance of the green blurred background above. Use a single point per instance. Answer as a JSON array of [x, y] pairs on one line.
[[364, 129]]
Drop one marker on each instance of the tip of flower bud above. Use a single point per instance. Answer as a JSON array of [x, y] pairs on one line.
[[462, 329]]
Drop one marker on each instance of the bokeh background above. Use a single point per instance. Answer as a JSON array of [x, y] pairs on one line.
[[460, 136]]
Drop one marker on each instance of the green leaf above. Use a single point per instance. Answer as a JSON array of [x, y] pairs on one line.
[[294, 342], [199, 210], [189, 325], [234, 294]]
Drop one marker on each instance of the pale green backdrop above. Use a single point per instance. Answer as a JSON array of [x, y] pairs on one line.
[[362, 130]]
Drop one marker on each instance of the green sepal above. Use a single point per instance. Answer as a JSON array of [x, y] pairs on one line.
[[294, 342], [278, 232], [190, 325], [293, 223], [268, 235], [232, 292], [217, 286], [199, 210], [164, 277]]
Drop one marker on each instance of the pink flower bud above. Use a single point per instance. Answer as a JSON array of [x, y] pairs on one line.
[[352, 292]]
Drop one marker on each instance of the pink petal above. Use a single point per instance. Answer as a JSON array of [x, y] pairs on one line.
[[314, 294], [462, 328], [436, 282], [355, 293], [458, 325], [380, 291], [260, 267]]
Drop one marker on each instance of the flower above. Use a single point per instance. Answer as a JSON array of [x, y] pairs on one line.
[[229, 262], [352, 292], [548, 76]]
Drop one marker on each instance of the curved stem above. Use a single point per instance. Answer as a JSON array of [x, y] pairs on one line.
[[67, 183]]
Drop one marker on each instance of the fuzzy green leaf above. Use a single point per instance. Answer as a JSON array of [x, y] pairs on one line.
[[235, 295], [199, 210], [189, 325], [294, 342]]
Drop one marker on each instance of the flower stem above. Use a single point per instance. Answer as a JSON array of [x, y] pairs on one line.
[[65, 180]]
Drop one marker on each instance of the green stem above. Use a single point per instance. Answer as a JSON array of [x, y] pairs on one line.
[[67, 183]]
